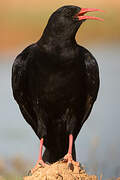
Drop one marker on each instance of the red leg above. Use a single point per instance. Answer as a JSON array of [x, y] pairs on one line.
[[40, 162], [70, 144], [40, 152], [68, 156]]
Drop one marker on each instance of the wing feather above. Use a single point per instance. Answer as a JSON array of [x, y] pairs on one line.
[[91, 79], [20, 89]]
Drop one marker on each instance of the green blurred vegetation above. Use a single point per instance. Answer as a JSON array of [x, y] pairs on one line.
[[14, 168]]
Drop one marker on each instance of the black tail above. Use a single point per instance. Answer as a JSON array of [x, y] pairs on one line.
[[52, 156]]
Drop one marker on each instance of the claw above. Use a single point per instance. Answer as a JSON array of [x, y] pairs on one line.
[[71, 163], [29, 173], [40, 164], [70, 166]]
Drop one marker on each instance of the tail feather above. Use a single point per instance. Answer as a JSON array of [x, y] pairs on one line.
[[52, 156]]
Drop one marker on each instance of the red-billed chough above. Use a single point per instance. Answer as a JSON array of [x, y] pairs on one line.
[[55, 82]]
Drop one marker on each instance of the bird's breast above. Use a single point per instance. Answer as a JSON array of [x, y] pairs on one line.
[[54, 84], [62, 86]]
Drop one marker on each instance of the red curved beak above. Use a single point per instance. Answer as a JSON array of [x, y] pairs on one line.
[[81, 16]]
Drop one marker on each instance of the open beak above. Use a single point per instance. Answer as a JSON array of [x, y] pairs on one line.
[[81, 16]]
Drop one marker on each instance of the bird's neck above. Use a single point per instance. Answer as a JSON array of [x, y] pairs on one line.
[[60, 39], [57, 42]]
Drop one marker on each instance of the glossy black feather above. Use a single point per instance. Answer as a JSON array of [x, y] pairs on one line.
[[55, 83]]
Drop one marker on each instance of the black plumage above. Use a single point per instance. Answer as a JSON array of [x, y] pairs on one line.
[[55, 82]]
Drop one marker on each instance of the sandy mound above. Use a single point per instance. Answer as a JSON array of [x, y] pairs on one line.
[[60, 171]]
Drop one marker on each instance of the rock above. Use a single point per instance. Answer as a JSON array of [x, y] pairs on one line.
[[60, 171]]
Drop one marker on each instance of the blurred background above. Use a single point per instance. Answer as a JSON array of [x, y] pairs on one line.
[[98, 144]]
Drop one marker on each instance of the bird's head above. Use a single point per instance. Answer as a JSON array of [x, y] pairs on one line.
[[65, 21]]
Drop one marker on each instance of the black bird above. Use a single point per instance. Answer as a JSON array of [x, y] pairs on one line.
[[55, 82]]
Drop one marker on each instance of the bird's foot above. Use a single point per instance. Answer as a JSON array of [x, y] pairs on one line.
[[39, 164], [68, 158]]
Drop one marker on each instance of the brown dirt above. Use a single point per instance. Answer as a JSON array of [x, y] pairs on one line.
[[60, 171]]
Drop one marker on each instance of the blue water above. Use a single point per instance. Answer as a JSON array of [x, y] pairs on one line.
[[98, 144]]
